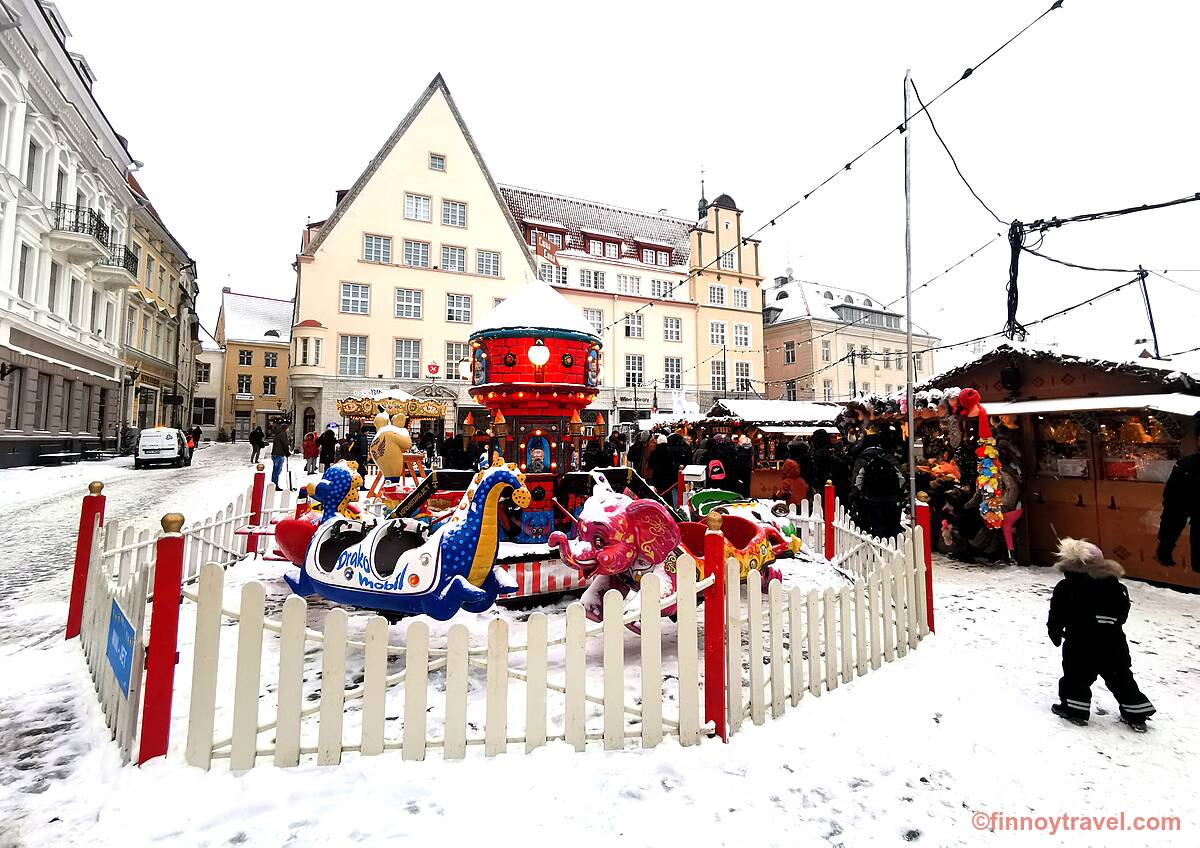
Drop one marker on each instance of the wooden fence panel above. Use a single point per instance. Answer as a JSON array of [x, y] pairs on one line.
[[831, 643], [496, 722], [651, 642], [416, 688], [860, 627], [733, 644], [290, 691], [900, 584], [202, 705], [374, 685], [576, 718], [886, 610], [777, 658], [249, 678], [333, 689], [455, 740], [758, 713], [614, 671], [846, 625], [813, 646], [796, 643], [535, 683], [687, 640]]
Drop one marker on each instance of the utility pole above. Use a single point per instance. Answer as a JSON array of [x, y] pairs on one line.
[[1149, 312], [912, 432], [853, 373]]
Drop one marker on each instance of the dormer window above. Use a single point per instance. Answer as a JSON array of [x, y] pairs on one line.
[[848, 299], [781, 296], [829, 295], [664, 258], [555, 239], [611, 250], [596, 247], [648, 255], [867, 302]]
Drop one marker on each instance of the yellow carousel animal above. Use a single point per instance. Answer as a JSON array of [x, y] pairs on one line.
[[392, 441]]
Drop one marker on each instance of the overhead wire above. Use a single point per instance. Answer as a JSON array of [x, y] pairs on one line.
[[898, 129]]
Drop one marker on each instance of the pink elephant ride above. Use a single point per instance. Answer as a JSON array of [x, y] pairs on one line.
[[620, 539]]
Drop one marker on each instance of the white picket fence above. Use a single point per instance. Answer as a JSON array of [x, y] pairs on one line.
[[290, 691], [304, 684], [122, 570]]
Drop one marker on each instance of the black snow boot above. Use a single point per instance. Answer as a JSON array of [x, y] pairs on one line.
[[1063, 711]]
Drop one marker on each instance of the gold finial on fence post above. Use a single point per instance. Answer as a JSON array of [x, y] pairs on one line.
[[923, 497], [95, 487], [713, 520], [171, 522]]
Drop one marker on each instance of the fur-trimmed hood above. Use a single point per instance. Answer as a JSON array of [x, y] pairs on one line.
[[1080, 556]]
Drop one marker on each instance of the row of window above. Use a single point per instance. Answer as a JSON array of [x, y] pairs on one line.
[[163, 285], [76, 395], [355, 299], [888, 358], [417, 255], [244, 381], [57, 286], [406, 358], [246, 357], [632, 284], [635, 373], [608, 248], [161, 344]]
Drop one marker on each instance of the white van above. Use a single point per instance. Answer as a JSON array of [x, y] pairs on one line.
[[161, 444]]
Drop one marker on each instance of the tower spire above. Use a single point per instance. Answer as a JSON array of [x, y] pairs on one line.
[[703, 205]]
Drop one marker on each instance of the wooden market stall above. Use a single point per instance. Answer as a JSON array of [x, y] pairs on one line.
[[1098, 439], [770, 424]]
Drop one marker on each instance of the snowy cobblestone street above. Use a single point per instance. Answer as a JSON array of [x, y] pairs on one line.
[[904, 755]]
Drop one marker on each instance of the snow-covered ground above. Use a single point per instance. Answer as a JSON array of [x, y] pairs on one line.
[[907, 754]]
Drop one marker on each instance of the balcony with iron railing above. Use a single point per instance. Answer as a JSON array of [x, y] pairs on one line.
[[79, 233], [116, 269]]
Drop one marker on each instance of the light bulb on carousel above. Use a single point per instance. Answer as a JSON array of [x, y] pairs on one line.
[[539, 355]]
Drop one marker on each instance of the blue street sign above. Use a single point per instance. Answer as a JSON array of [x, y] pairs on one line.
[[120, 647]]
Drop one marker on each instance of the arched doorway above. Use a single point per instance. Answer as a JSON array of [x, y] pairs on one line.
[[310, 420]]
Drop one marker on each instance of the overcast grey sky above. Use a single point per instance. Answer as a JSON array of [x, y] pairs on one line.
[[250, 115]]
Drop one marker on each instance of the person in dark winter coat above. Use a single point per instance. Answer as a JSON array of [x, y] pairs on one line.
[[829, 465], [664, 466], [327, 445], [280, 450], [593, 456], [1181, 504], [681, 454], [876, 492], [257, 441], [1088, 610]]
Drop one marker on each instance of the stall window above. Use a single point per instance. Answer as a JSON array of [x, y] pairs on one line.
[[1062, 447], [1139, 446]]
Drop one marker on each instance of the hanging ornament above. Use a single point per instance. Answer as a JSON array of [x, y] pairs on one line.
[[987, 479]]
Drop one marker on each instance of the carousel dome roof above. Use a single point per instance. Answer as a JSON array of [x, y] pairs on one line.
[[536, 307]]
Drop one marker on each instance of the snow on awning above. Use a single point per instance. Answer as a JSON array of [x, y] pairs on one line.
[[790, 431], [1175, 402]]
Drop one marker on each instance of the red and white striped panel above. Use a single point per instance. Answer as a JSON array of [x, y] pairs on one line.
[[542, 577]]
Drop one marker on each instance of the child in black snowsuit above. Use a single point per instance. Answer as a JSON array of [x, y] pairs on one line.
[[1088, 609]]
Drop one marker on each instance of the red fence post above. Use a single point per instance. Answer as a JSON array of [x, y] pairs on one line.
[[679, 497], [715, 699], [256, 506], [162, 650], [827, 505], [91, 512], [923, 523]]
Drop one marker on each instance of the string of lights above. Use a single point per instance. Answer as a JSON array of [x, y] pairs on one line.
[[1088, 302], [843, 327], [899, 129]]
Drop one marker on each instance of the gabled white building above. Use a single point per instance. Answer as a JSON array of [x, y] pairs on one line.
[[64, 221]]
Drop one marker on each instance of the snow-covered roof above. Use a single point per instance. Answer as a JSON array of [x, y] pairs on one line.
[[253, 318], [797, 299], [1176, 402], [1118, 358], [537, 306], [776, 411], [587, 216]]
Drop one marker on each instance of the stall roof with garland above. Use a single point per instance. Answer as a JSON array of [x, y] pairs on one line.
[[776, 411], [1165, 371], [536, 307]]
